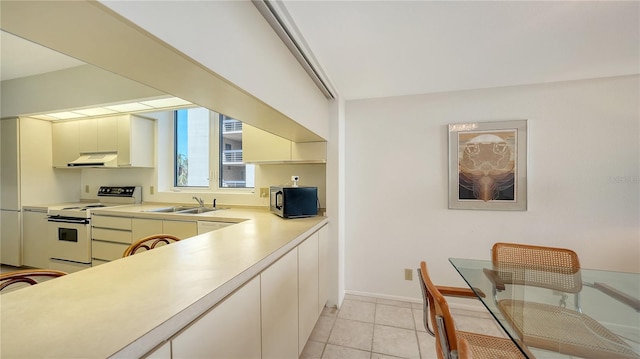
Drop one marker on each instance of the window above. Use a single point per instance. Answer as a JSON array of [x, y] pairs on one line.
[[196, 133], [192, 147]]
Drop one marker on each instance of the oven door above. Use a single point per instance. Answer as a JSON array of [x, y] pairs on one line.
[[70, 239]]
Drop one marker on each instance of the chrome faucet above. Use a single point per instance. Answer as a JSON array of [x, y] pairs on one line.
[[199, 200]]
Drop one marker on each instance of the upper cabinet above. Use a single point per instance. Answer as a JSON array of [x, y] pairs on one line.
[[262, 147], [131, 137]]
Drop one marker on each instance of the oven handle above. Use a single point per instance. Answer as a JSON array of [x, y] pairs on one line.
[[68, 220]]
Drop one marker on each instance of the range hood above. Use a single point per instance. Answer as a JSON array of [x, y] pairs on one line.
[[102, 159]]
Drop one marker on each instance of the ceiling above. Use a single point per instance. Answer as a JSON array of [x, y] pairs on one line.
[[21, 58], [392, 48]]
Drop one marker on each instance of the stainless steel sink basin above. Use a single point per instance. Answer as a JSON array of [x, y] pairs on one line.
[[183, 209], [197, 210], [172, 209]]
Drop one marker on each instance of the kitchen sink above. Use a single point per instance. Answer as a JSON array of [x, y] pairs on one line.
[[183, 209], [198, 210]]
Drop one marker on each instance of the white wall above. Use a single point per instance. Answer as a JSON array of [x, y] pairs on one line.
[[584, 180], [233, 39]]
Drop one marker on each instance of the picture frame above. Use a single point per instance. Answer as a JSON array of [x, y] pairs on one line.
[[488, 165]]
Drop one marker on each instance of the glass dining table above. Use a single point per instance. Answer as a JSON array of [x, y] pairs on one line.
[[605, 309]]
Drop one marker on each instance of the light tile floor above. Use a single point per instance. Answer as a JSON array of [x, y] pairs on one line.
[[372, 328]]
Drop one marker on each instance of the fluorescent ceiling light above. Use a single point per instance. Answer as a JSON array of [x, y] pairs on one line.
[[129, 107], [166, 102], [99, 111], [65, 115], [169, 103]]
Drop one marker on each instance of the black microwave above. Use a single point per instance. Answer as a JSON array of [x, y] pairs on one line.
[[293, 202]]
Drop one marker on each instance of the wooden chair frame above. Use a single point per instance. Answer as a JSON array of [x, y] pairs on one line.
[[149, 243], [28, 276], [448, 338]]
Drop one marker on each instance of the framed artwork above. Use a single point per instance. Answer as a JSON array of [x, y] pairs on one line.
[[488, 165]]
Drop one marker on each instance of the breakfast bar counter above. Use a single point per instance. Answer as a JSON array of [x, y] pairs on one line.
[[127, 307]]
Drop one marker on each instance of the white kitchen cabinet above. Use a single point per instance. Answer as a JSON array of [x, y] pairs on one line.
[[144, 227], [180, 229], [136, 141], [65, 142], [10, 243], [131, 136], [34, 239], [307, 288], [308, 152], [261, 146], [323, 268], [279, 303], [99, 134], [229, 330]]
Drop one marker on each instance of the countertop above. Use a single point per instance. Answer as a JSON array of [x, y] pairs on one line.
[[126, 307]]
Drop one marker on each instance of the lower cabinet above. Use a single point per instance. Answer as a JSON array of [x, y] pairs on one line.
[[307, 288], [112, 235], [34, 244], [279, 303], [229, 330], [271, 316]]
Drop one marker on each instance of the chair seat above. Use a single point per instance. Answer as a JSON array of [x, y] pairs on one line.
[[563, 330], [485, 346]]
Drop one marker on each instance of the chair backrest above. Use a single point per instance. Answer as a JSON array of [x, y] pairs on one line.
[[546, 267], [149, 243], [10, 280], [440, 315]]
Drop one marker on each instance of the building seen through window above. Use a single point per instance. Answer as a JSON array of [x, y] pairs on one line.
[[196, 155]]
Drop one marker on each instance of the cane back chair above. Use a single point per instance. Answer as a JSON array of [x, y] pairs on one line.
[[11, 280], [550, 326], [448, 338], [149, 243]]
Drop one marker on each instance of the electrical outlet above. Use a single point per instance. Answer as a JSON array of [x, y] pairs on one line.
[[408, 274], [86, 188], [152, 190], [264, 192]]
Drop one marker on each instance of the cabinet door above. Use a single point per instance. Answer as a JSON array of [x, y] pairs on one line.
[[279, 301], [230, 330], [259, 145], [307, 287], [323, 267], [34, 243], [65, 142], [180, 229], [138, 153], [88, 135], [107, 131], [142, 227], [10, 245]]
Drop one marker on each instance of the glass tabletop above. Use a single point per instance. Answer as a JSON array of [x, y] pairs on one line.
[[559, 312]]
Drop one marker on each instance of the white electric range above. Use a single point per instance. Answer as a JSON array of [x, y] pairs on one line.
[[69, 226]]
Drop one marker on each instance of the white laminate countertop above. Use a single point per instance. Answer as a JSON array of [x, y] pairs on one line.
[[126, 307]]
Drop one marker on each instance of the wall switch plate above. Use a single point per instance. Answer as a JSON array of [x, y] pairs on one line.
[[151, 190], [86, 188], [264, 192], [408, 274]]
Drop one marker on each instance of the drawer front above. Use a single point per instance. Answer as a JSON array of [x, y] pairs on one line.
[[111, 222], [107, 251], [111, 235]]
